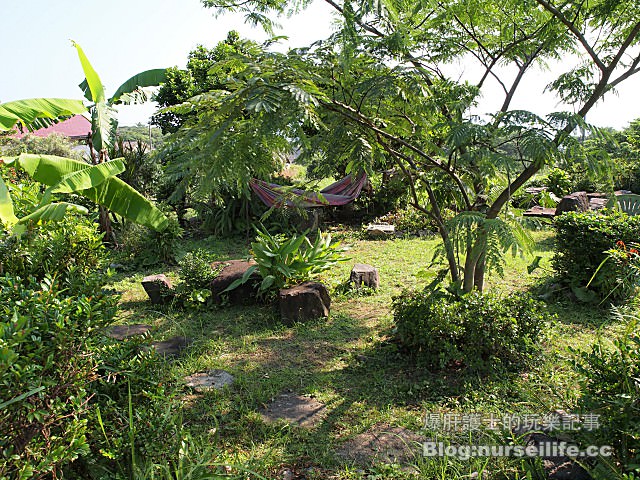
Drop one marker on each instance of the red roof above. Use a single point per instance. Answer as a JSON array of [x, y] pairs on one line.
[[74, 127]]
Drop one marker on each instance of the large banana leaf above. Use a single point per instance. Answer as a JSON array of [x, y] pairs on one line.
[[89, 177], [7, 216], [36, 113], [92, 85], [112, 193], [103, 116], [104, 124], [148, 78]]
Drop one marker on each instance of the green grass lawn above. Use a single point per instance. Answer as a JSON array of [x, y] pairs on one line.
[[348, 363]]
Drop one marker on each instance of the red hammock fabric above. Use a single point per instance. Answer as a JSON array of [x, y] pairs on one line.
[[341, 192]]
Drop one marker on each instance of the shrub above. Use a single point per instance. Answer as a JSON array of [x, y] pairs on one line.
[[196, 275], [70, 251], [581, 242], [611, 389], [475, 330], [558, 182], [47, 361]]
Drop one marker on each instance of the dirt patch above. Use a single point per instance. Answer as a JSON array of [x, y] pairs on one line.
[[382, 443], [302, 411]]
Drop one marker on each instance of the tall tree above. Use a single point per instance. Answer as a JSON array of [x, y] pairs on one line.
[[379, 88]]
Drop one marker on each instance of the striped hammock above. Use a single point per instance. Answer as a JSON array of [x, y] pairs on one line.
[[339, 193]]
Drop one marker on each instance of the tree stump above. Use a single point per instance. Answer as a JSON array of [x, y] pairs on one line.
[[158, 288], [233, 270], [307, 301], [577, 201], [363, 274]]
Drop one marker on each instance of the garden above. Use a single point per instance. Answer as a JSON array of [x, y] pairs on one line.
[[321, 264]]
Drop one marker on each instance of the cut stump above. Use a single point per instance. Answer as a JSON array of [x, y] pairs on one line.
[[307, 301], [363, 274], [158, 288], [230, 271]]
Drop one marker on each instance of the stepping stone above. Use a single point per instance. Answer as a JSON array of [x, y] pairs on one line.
[[383, 443], [120, 332], [380, 230], [307, 301], [295, 409], [171, 347], [363, 274], [211, 380], [159, 288]]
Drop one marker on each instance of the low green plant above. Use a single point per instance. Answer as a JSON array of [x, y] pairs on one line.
[[474, 330], [283, 260], [558, 182], [582, 240], [610, 385], [196, 274], [49, 339]]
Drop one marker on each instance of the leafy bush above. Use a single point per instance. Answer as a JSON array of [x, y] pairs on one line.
[[610, 388], [283, 261], [558, 182], [475, 330], [408, 220], [581, 242], [196, 274], [143, 246], [47, 361], [70, 251]]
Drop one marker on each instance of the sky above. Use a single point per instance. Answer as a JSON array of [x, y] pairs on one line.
[[122, 38]]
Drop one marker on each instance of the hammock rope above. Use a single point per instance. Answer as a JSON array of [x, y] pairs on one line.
[[342, 192]]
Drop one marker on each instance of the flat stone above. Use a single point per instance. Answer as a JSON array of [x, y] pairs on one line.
[[363, 274], [295, 409], [383, 443], [171, 347], [307, 301], [380, 230], [211, 380], [541, 212], [158, 288], [120, 332], [230, 271]]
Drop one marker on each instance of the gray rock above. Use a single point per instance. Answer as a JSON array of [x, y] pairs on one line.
[[574, 202], [363, 274], [307, 301], [383, 443], [211, 380], [380, 230]]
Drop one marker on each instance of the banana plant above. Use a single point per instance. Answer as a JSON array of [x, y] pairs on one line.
[[95, 182], [103, 112]]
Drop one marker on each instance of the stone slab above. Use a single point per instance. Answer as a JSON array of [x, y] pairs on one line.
[[210, 380], [383, 443], [171, 347], [121, 332], [295, 409]]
